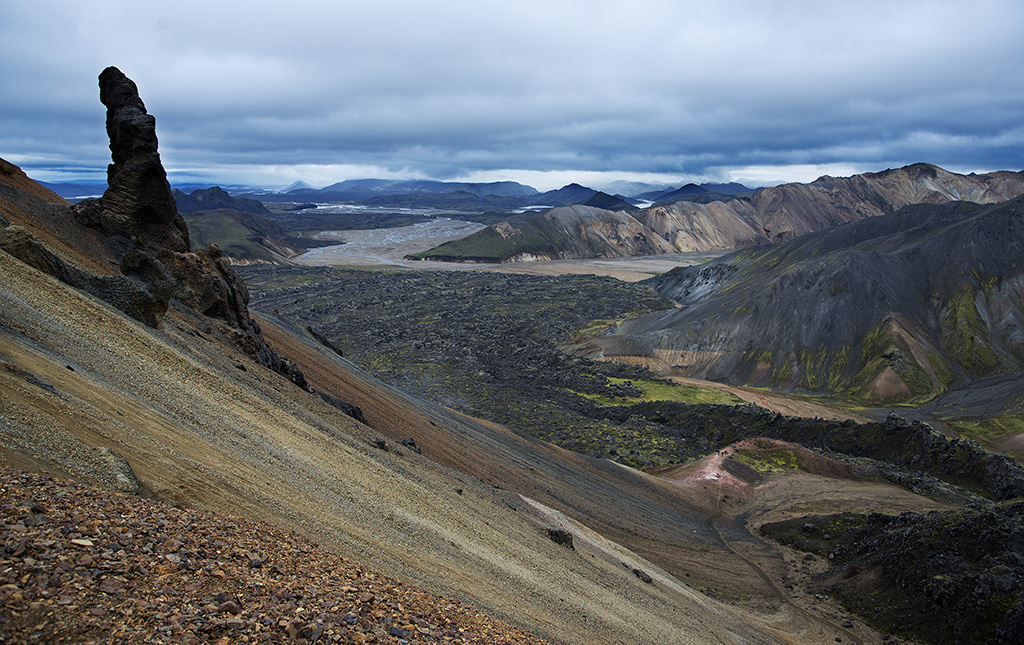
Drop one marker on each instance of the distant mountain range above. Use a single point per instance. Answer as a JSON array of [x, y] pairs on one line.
[[770, 215], [487, 196]]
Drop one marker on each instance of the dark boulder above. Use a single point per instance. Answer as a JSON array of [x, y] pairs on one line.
[[642, 575], [561, 536], [351, 410]]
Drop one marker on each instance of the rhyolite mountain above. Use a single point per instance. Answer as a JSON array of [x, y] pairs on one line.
[[577, 231], [772, 214], [897, 308]]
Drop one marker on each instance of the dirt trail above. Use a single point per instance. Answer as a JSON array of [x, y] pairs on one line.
[[720, 514], [740, 499]]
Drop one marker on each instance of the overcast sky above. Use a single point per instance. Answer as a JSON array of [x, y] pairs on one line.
[[540, 91]]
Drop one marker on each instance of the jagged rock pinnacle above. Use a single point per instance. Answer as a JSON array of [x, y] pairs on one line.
[[138, 194]]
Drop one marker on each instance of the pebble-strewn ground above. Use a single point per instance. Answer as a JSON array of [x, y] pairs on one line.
[[79, 565]]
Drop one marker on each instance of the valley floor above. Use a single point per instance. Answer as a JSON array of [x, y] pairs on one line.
[[387, 248]]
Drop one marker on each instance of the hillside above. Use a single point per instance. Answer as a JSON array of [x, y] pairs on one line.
[[773, 214], [244, 237], [240, 227], [893, 309]]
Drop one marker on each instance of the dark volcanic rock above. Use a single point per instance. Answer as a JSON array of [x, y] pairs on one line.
[[138, 194], [139, 214], [561, 536], [943, 577]]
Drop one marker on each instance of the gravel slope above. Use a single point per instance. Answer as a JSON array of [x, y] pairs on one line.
[[83, 564]]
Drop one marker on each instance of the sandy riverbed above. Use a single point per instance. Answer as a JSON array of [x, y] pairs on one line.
[[377, 248]]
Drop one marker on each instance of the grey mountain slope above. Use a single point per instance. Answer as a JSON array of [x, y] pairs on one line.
[[215, 198], [931, 295]]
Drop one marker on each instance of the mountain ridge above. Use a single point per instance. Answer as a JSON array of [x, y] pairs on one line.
[[770, 215]]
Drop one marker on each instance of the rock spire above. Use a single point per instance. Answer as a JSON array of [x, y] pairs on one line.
[[138, 195]]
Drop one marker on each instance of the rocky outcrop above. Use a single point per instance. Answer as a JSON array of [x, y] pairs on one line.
[[144, 231], [130, 247], [138, 198]]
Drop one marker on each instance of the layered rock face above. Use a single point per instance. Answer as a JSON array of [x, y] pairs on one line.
[[138, 194]]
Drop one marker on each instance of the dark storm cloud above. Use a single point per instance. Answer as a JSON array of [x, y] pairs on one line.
[[271, 92]]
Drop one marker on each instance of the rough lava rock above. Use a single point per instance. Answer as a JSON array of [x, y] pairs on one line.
[[138, 193]]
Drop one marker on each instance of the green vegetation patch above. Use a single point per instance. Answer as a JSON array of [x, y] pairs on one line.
[[776, 460], [664, 391], [942, 369], [964, 336], [988, 429], [879, 351]]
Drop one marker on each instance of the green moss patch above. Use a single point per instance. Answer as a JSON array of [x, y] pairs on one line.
[[987, 430], [666, 391], [776, 460], [964, 336]]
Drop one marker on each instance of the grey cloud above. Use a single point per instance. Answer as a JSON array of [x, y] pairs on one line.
[[449, 88]]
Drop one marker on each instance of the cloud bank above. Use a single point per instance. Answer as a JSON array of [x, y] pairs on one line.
[[270, 92]]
